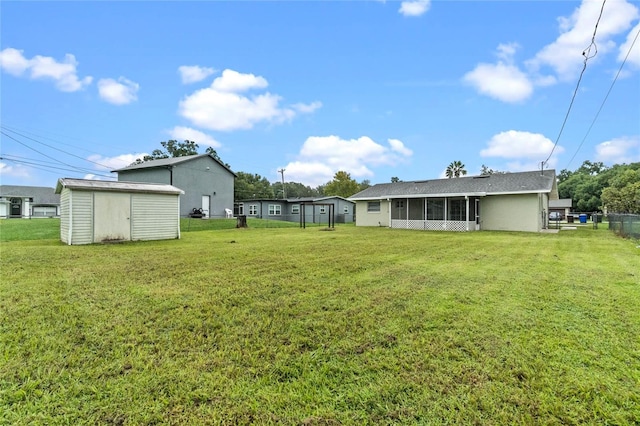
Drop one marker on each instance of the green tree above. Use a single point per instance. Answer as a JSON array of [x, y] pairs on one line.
[[455, 170], [623, 196], [294, 190], [364, 185], [486, 171], [248, 185], [395, 179], [342, 185]]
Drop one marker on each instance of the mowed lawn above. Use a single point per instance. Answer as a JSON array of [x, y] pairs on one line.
[[352, 326]]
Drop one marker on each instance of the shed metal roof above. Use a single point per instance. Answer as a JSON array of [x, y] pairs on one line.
[[503, 183], [116, 186]]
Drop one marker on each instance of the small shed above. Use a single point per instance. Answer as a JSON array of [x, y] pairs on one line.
[[94, 211]]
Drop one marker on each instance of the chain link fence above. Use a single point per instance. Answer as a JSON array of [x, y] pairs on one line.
[[625, 225]]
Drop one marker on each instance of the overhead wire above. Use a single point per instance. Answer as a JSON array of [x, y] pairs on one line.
[[587, 55], [605, 98], [72, 167]]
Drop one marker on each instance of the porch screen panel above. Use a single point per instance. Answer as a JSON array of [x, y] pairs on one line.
[[416, 209], [435, 209], [457, 209], [398, 209]]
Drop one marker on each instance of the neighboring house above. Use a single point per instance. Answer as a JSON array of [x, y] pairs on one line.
[[315, 210], [562, 206], [28, 201], [96, 211], [207, 183], [505, 202]]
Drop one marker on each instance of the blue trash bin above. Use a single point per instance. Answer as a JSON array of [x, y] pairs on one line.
[[583, 218]]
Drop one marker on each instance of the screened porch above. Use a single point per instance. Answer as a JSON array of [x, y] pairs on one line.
[[436, 214]]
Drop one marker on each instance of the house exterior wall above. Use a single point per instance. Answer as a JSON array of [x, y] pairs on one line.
[[520, 212], [199, 177], [366, 218]]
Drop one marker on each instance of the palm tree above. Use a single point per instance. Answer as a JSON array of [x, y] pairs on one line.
[[455, 169]]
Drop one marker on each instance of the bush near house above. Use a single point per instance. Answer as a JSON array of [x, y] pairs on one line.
[[291, 326]]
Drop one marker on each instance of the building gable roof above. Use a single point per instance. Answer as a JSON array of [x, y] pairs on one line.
[[562, 203], [502, 183], [116, 186], [172, 161], [40, 194]]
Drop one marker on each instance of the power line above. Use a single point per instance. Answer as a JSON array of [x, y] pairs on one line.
[[40, 165], [605, 98], [52, 147], [587, 55]]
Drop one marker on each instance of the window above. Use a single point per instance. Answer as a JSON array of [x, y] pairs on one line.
[[400, 204], [44, 211], [346, 210], [275, 209], [295, 209], [323, 209], [253, 209], [373, 206]]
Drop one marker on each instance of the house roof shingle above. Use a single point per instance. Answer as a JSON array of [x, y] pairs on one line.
[[40, 194], [503, 183]]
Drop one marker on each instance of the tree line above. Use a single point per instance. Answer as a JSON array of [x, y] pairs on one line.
[[594, 187]]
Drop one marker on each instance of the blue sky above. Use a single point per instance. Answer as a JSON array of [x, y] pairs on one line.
[[378, 89]]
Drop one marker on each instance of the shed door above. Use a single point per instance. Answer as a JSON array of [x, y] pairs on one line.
[[112, 213]]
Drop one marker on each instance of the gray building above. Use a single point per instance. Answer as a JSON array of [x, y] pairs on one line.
[[17, 201], [314, 209], [207, 183], [505, 202]]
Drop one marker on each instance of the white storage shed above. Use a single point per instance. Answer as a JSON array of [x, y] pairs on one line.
[[94, 211]]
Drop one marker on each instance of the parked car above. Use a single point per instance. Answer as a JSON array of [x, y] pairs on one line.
[[555, 216]]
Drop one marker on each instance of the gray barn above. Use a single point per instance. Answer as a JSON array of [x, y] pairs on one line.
[[93, 211]]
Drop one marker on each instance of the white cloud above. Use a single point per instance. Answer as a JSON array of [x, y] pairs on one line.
[[120, 92], [307, 108], [520, 145], [619, 150], [398, 146], [222, 107], [64, 74], [322, 156], [91, 176], [503, 81], [500, 81], [414, 7], [233, 81], [181, 133], [14, 171], [113, 163], [194, 73], [564, 55], [634, 55]]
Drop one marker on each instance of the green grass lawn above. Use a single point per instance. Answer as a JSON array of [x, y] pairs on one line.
[[352, 326]]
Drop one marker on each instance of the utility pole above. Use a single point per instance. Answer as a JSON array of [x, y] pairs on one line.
[[284, 191]]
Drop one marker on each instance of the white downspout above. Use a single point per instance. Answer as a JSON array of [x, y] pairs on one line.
[[389, 208]]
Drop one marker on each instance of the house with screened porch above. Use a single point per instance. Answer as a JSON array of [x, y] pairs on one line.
[[497, 202]]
